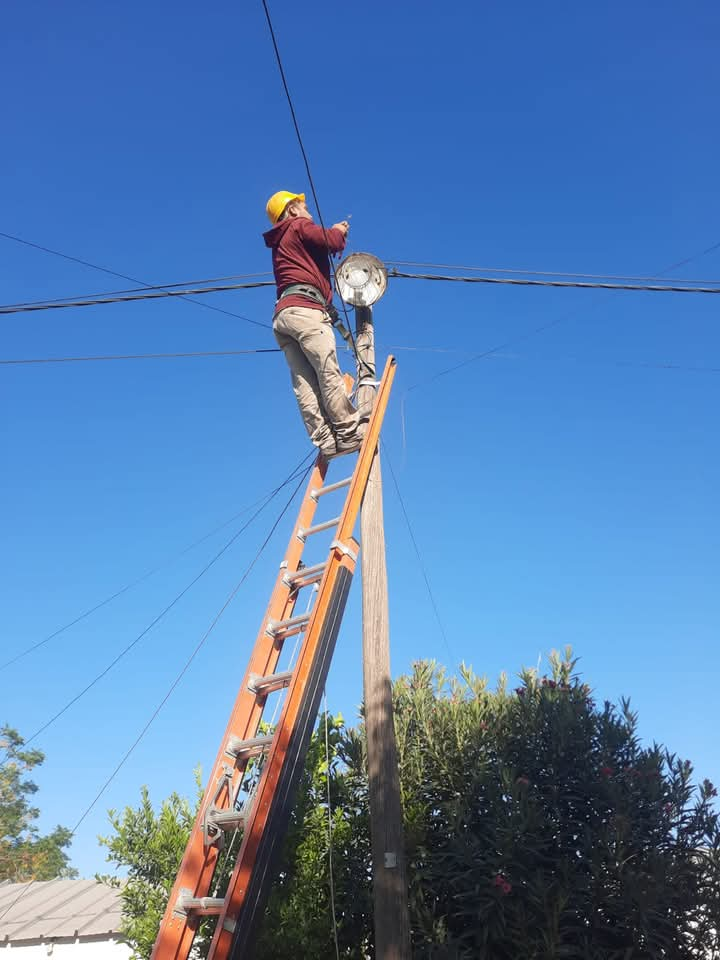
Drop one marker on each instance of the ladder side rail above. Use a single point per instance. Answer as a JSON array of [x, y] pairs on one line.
[[356, 491], [195, 875], [265, 830], [264, 818]]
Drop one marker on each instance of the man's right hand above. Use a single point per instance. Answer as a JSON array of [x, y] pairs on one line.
[[343, 227]]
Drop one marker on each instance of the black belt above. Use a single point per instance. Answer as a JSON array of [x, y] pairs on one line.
[[303, 290], [312, 293]]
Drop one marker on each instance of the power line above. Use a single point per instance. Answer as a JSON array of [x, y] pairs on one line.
[[198, 647], [166, 610], [407, 263], [124, 276], [534, 332], [423, 570], [551, 273], [695, 256], [143, 577], [155, 295], [67, 256], [145, 287], [573, 284], [140, 356], [640, 364], [174, 684], [24, 890], [286, 88]]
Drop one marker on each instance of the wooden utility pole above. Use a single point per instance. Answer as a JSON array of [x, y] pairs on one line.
[[390, 894]]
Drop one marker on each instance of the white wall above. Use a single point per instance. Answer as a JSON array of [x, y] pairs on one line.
[[85, 948]]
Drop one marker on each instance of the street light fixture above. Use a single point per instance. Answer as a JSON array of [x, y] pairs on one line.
[[361, 279]]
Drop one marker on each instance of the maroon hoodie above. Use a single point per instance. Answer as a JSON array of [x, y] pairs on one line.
[[300, 255]]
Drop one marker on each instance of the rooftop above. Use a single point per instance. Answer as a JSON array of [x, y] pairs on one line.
[[40, 910]]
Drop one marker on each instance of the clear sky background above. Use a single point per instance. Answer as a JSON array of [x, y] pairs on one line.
[[563, 491]]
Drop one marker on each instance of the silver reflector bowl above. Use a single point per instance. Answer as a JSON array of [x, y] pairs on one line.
[[361, 279]]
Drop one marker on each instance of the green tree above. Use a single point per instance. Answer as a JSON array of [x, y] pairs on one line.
[[150, 845], [298, 920], [537, 826], [24, 853]]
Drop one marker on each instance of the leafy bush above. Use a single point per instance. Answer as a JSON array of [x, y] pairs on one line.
[[537, 827]]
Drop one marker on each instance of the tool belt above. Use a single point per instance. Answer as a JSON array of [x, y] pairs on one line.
[[304, 290], [312, 293]]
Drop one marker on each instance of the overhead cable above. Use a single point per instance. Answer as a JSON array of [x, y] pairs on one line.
[[197, 649], [163, 613], [146, 576], [145, 287], [67, 256], [686, 260], [535, 331], [141, 356], [124, 276], [154, 295], [173, 685], [286, 88], [512, 281], [574, 284], [421, 565], [541, 273]]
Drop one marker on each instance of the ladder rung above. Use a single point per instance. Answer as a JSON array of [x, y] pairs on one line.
[[318, 492], [218, 820], [226, 819], [287, 627], [318, 528], [236, 746], [305, 576], [199, 906], [270, 683]]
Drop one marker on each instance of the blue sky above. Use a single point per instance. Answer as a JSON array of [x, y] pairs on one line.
[[562, 492]]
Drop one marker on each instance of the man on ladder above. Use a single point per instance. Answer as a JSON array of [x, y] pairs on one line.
[[303, 321]]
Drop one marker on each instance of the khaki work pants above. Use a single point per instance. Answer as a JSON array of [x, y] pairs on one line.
[[307, 339]]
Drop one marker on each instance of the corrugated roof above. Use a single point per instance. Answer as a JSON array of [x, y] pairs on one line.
[[58, 908]]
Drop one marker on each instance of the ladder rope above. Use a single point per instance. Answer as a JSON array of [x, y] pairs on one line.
[[333, 914]]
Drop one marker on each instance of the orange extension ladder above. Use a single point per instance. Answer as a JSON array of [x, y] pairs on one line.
[[264, 814]]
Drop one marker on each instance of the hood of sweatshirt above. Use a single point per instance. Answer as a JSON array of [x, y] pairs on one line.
[[274, 235]]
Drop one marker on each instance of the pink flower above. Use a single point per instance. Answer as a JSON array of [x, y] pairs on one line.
[[710, 787], [500, 881], [523, 782]]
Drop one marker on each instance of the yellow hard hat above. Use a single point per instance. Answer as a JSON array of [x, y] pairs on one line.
[[278, 201]]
